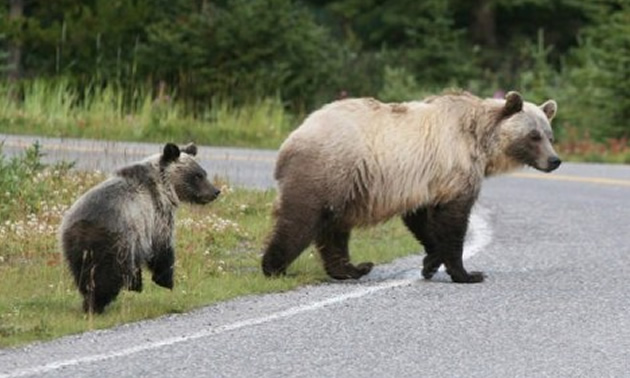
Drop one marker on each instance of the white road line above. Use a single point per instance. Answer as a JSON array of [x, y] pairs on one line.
[[480, 232], [479, 237]]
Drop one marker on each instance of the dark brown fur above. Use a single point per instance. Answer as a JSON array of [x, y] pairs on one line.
[[128, 221]]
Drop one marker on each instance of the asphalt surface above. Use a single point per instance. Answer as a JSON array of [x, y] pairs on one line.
[[238, 166], [555, 249]]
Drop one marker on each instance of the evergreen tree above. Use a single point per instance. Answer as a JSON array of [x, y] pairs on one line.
[[242, 49], [598, 74], [3, 55], [418, 36]]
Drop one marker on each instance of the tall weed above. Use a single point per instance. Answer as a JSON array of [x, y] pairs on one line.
[[58, 108]]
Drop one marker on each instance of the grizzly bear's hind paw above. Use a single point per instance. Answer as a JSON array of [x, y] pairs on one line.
[[349, 271], [364, 268]]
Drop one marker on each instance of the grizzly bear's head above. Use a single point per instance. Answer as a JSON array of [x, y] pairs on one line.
[[525, 133], [188, 178]]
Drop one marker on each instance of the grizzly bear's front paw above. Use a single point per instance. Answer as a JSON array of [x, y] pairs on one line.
[[428, 273], [471, 277]]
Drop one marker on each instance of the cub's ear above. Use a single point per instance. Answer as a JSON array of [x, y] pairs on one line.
[[169, 154], [550, 108], [513, 104], [190, 149]]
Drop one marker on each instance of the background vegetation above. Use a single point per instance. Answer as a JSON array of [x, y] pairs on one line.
[[163, 67]]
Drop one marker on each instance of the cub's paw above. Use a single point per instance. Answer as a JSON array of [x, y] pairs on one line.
[[164, 280], [272, 271]]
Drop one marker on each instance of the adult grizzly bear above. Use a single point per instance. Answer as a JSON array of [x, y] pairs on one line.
[[359, 162], [127, 221]]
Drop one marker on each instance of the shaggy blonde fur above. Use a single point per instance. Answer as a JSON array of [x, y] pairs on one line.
[[375, 160], [358, 162]]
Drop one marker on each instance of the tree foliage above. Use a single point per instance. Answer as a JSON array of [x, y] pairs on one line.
[[243, 48], [599, 75], [312, 51]]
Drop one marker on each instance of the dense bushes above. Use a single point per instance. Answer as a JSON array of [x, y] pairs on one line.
[[309, 52]]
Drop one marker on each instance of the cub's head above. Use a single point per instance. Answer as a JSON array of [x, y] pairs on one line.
[[525, 133], [188, 178]]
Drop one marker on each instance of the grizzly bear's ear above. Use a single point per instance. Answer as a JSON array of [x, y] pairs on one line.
[[513, 104], [190, 149], [550, 107], [170, 154]]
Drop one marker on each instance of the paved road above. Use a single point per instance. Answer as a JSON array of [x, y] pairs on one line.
[[243, 167], [556, 249]]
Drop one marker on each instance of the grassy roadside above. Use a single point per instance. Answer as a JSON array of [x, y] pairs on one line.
[[217, 246], [56, 108]]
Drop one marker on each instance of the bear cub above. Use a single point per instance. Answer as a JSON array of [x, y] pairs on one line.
[[127, 221]]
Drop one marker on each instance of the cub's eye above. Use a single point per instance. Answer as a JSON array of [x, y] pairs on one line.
[[535, 136], [199, 176]]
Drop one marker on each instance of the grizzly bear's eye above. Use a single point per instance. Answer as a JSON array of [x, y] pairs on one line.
[[535, 136], [199, 176]]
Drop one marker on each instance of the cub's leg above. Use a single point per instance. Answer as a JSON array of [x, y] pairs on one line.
[[134, 283], [332, 244], [448, 225], [95, 264], [162, 266], [100, 282], [419, 223], [295, 228]]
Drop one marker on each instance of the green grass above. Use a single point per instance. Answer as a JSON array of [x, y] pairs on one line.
[[217, 247], [57, 108]]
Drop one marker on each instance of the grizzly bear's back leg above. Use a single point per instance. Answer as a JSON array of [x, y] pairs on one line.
[[332, 243], [99, 270], [297, 223]]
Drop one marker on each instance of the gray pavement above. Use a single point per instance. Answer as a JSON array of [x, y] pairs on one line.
[[555, 304], [241, 167]]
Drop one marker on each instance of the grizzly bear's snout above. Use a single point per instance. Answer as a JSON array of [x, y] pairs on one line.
[[208, 195], [553, 163]]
